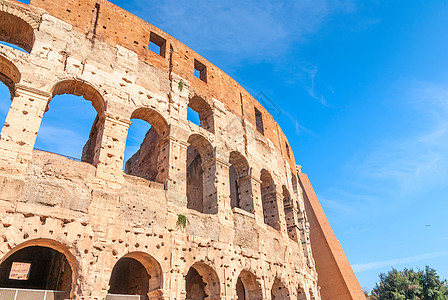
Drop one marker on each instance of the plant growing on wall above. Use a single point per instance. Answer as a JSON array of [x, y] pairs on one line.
[[182, 221], [181, 85]]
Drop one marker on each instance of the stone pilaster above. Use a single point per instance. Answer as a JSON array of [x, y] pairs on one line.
[[22, 124], [109, 158]]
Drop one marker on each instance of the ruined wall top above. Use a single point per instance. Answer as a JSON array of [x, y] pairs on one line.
[[108, 23]]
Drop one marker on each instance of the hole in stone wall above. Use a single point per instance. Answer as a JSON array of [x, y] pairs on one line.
[[287, 150], [201, 282], [259, 121], [39, 268], [200, 70], [67, 129], [157, 44]]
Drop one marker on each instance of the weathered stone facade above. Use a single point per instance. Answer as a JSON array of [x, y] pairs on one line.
[[232, 182]]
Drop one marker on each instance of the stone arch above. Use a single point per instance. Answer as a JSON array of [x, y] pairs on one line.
[[137, 273], [269, 200], [76, 87], [240, 182], [148, 162], [29, 251], [290, 214], [205, 112], [247, 287], [9, 74], [202, 282], [17, 28], [201, 190], [279, 291]]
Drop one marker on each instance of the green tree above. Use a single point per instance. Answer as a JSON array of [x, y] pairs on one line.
[[411, 285]]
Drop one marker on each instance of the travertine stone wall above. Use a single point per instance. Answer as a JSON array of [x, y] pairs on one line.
[[97, 215]]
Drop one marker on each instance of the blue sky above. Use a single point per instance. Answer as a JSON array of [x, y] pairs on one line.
[[363, 90]]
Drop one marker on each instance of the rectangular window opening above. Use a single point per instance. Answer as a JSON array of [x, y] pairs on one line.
[[259, 121], [157, 44], [200, 70]]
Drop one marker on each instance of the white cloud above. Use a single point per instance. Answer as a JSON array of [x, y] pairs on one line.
[[392, 263]]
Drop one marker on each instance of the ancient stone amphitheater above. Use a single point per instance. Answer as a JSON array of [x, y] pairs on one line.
[[214, 211]]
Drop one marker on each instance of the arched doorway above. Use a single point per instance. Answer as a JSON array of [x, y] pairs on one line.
[[35, 270], [202, 282], [247, 287], [279, 291], [201, 191], [137, 273], [142, 152]]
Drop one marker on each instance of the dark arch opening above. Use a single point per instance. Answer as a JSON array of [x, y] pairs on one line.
[[71, 126], [201, 282], [143, 152], [279, 291], [136, 274], [240, 183], [37, 267], [247, 287], [269, 200], [14, 30], [201, 193], [204, 112]]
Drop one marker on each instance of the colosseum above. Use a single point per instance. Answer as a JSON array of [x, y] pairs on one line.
[[218, 210]]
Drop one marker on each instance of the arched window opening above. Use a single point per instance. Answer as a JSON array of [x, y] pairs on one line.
[[269, 200], [240, 183], [37, 268], [288, 206], [136, 274], [204, 112], [201, 190], [279, 291], [193, 116], [15, 31], [301, 294], [142, 153], [247, 287], [5, 103], [294, 184], [9, 76], [201, 282], [312, 297], [71, 126]]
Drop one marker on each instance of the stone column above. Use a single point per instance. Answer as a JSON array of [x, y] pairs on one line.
[[217, 172], [22, 125], [109, 158], [209, 192], [256, 196], [173, 169], [245, 191]]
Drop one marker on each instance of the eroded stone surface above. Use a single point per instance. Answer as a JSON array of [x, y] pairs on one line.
[[231, 182]]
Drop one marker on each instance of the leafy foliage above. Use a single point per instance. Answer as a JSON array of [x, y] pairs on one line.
[[182, 221], [410, 285]]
